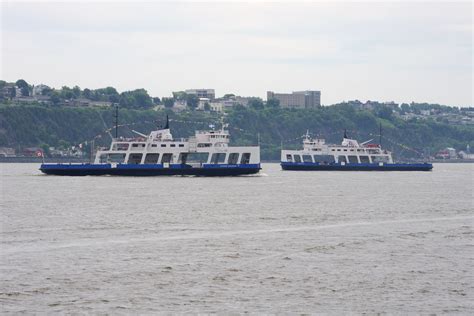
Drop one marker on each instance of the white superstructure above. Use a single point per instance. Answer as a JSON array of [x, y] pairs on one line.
[[350, 151], [159, 147]]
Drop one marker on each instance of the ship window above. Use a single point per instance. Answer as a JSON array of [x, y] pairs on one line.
[[307, 158], [172, 145], [218, 158], [152, 158], [289, 158], [353, 159], [341, 159], [333, 150], [166, 158], [364, 159], [197, 157], [204, 145], [181, 145], [338, 150], [163, 145], [245, 158], [352, 149], [345, 149], [183, 158], [134, 145], [324, 158], [120, 146], [115, 158], [233, 158], [154, 145], [380, 159], [359, 150], [297, 158], [135, 158]]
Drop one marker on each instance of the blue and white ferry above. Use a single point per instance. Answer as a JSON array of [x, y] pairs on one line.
[[207, 153], [349, 156]]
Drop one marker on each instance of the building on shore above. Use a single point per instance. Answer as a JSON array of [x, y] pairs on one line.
[[307, 99], [7, 152], [38, 89], [202, 93]]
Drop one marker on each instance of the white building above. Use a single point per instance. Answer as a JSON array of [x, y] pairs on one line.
[[38, 89], [202, 93], [202, 103]]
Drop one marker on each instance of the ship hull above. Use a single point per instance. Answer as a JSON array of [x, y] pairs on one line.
[[148, 170], [357, 167]]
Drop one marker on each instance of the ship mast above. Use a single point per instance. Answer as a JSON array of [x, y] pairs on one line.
[[380, 135], [116, 121]]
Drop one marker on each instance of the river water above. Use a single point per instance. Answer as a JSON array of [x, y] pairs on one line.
[[280, 242]]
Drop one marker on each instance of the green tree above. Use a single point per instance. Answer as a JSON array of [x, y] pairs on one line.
[[114, 98], [179, 95], [76, 91], [45, 148], [47, 91], [255, 103], [207, 106], [66, 93], [138, 99], [192, 101], [87, 93], [25, 91], [168, 102], [24, 87], [142, 99], [384, 112], [55, 98], [21, 84], [110, 91], [273, 103]]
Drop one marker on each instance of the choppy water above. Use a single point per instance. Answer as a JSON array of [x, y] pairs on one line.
[[283, 242]]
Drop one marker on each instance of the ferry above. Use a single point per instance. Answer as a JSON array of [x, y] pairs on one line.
[[207, 153], [349, 156]]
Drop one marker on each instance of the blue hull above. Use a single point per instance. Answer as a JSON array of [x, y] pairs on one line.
[[309, 166], [148, 170]]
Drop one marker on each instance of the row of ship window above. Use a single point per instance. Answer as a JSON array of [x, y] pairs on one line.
[[332, 159], [371, 151], [184, 158], [124, 147]]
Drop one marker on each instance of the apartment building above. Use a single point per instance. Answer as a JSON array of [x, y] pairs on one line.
[[297, 99]]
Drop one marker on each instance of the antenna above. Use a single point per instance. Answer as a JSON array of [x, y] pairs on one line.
[[167, 126], [116, 121]]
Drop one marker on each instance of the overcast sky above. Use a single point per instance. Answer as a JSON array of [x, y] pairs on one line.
[[384, 51]]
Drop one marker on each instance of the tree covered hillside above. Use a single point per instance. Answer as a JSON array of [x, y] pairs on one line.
[[23, 126]]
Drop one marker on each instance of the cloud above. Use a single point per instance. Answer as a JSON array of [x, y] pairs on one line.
[[385, 51]]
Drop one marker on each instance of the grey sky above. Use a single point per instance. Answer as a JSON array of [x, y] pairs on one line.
[[387, 51]]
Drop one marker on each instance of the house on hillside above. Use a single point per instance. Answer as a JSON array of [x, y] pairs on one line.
[[38, 89], [7, 152]]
